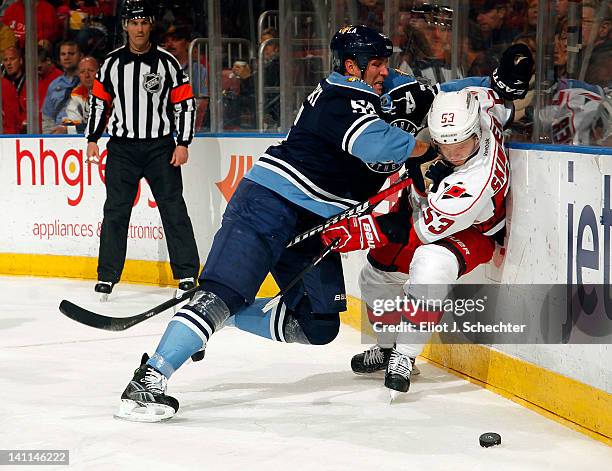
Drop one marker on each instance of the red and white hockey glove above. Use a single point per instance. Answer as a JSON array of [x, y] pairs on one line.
[[355, 233]]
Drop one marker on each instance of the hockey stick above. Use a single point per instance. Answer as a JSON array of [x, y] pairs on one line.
[[362, 208], [276, 299], [396, 187], [100, 321]]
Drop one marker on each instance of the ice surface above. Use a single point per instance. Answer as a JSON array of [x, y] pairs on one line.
[[251, 404]]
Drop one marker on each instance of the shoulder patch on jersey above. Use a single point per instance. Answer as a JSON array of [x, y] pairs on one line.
[[455, 190]]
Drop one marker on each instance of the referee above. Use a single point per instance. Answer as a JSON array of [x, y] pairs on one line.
[[142, 97]]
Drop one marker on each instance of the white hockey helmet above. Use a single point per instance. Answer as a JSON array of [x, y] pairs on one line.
[[454, 117]]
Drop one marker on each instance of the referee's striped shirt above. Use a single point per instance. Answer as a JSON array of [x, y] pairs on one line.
[[141, 96]]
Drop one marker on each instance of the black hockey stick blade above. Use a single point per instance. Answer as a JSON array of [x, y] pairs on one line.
[[100, 321]]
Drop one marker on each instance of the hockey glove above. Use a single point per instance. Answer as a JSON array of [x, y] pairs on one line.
[[437, 172], [415, 166], [355, 233]]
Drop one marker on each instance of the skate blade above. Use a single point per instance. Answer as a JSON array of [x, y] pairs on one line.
[[415, 371], [134, 412], [104, 297], [393, 395], [374, 374]]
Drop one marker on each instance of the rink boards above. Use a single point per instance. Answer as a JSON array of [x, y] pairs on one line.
[[559, 232]]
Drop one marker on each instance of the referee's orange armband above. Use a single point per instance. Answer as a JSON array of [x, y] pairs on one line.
[[99, 92], [181, 93]]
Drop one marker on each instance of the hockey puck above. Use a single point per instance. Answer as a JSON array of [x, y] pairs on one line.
[[490, 439]]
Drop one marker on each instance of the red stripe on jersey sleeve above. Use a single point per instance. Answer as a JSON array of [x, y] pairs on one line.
[[181, 93]]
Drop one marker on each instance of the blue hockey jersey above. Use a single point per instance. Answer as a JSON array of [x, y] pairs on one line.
[[338, 152]]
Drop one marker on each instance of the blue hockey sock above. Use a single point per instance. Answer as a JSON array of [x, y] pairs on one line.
[[178, 343], [265, 324]]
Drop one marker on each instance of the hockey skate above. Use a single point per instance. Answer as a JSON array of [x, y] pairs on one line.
[[185, 284], [105, 288], [144, 398], [199, 355], [375, 360], [397, 377]]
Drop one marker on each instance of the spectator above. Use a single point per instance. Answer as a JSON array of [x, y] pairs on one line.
[[46, 19], [415, 48], [246, 97], [7, 37], [77, 109], [601, 39], [515, 13], [176, 41], [434, 28], [598, 72], [239, 97], [486, 28], [12, 62], [47, 73], [10, 108], [561, 8], [371, 13], [482, 65], [560, 57], [271, 78], [531, 23], [86, 24], [58, 94], [14, 71]]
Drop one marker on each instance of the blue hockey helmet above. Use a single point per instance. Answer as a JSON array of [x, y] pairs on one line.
[[359, 43], [136, 9]]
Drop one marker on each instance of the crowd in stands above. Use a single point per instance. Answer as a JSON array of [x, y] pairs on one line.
[[578, 98], [74, 36]]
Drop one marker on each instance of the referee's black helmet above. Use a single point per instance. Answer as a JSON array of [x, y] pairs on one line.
[[136, 9]]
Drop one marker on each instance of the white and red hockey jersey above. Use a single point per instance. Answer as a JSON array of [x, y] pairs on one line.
[[571, 116], [473, 195]]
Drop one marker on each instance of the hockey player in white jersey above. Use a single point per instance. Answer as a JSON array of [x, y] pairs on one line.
[[437, 232], [580, 114], [389, 266]]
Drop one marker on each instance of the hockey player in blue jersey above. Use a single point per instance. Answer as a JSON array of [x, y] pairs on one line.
[[338, 152]]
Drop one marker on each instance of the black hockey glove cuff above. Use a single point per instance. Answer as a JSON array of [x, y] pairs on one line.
[[437, 172], [396, 226], [413, 167]]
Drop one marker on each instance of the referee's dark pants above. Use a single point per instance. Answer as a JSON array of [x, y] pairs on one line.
[[128, 161]]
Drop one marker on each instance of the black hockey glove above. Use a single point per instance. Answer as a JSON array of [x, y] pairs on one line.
[[437, 172], [413, 167], [511, 78]]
